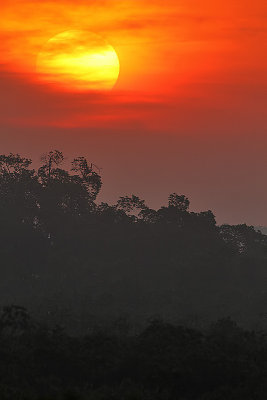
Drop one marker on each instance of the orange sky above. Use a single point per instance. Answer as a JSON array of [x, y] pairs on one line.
[[191, 95]]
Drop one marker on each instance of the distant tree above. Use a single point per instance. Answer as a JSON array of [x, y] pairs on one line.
[[132, 206], [19, 190], [176, 212], [180, 202], [65, 196], [243, 238], [207, 218], [13, 164], [50, 160], [87, 176]]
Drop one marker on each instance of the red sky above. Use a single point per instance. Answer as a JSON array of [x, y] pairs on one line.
[[188, 112]]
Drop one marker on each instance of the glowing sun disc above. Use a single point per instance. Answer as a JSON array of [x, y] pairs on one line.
[[78, 60]]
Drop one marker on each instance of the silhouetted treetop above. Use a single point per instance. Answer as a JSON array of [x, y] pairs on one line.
[[179, 202]]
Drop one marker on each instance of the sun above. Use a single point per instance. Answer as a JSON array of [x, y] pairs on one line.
[[78, 60]]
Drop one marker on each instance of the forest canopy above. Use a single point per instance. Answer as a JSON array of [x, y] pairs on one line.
[[72, 259]]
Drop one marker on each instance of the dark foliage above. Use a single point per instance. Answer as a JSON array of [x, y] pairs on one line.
[[72, 260], [163, 362], [76, 263]]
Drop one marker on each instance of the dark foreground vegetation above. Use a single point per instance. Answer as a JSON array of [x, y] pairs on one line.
[[74, 261], [94, 273], [162, 362]]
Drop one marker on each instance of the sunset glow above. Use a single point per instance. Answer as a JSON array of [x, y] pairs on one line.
[[78, 60], [182, 84], [160, 47]]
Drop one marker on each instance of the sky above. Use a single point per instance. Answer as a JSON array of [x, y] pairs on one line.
[[186, 115]]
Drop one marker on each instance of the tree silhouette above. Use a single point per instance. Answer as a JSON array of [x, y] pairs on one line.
[[180, 202], [87, 176], [51, 159]]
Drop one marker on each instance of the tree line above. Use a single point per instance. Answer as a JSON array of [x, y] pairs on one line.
[[73, 260]]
